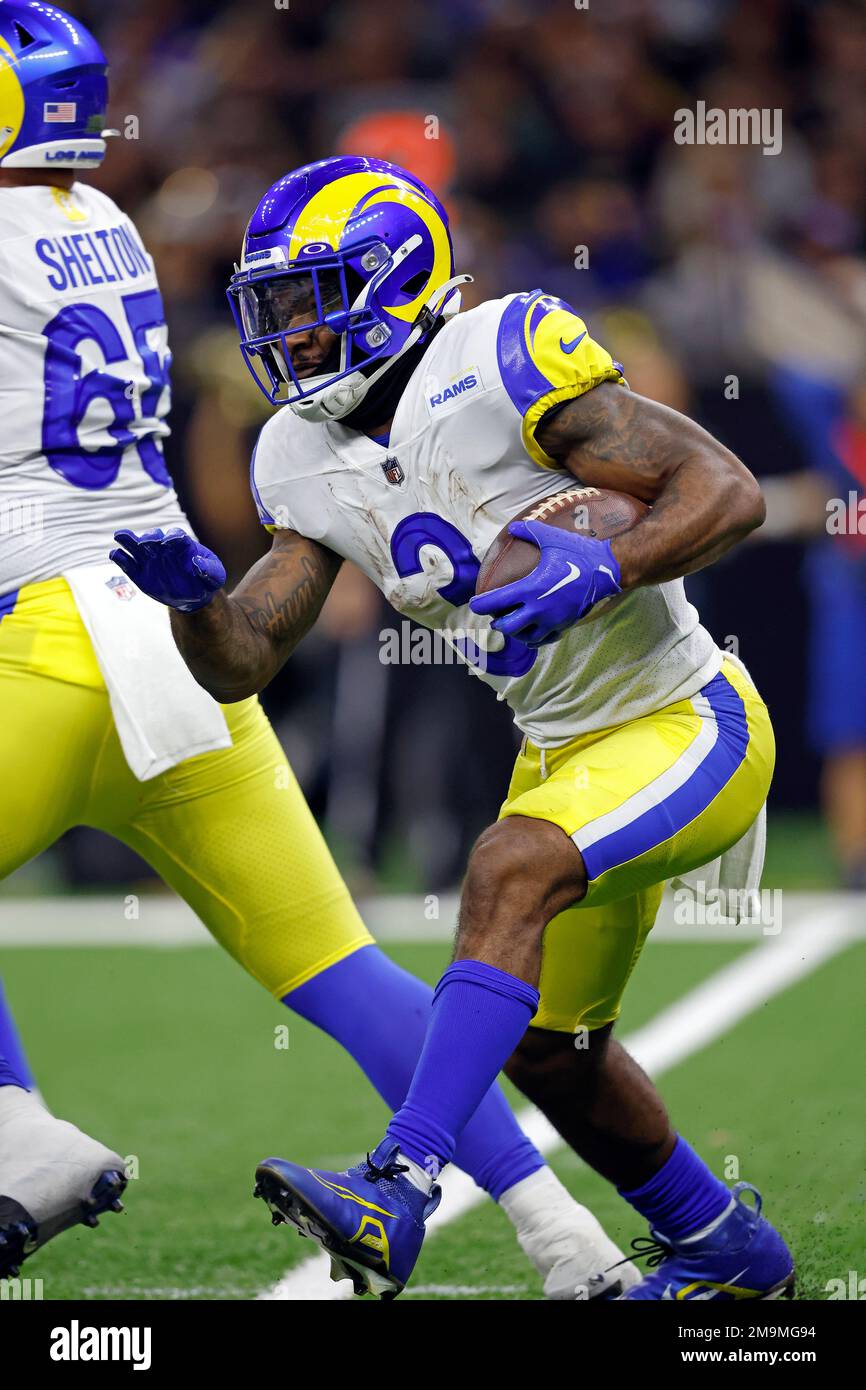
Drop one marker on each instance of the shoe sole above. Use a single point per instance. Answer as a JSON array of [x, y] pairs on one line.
[[785, 1289], [21, 1237], [290, 1207]]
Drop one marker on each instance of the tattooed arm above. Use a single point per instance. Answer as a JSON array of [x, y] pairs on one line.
[[236, 644], [703, 499]]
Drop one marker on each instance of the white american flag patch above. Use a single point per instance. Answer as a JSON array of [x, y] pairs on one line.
[[58, 111]]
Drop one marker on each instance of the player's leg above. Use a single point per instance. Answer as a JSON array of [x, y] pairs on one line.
[[231, 832], [38, 799], [598, 1098], [382, 1244], [598, 821], [678, 815], [14, 1067], [367, 1003], [619, 814], [54, 711], [379, 1013], [56, 716], [592, 1091], [568, 1062]]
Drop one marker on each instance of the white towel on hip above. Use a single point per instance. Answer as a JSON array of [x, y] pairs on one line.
[[731, 883], [733, 880], [162, 715]]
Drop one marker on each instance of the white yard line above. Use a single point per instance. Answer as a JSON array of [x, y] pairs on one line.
[[704, 1014], [158, 920], [103, 920]]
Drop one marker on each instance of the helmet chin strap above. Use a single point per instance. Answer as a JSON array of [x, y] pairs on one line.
[[333, 402]]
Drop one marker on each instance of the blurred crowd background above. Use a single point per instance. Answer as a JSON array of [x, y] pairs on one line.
[[731, 284]]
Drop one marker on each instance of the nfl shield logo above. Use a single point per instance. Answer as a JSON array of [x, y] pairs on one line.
[[393, 470], [122, 587]]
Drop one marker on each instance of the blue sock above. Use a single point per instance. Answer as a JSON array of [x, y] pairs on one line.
[[682, 1197], [14, 1070], [379, 1014], [479, 1016]]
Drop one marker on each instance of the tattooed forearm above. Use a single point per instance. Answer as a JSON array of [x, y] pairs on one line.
[[704, 500], [285, 616], [237, 643]]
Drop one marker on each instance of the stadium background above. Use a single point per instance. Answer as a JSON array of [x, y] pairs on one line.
[[547, 129]]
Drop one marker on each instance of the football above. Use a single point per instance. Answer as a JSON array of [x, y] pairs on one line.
[[592, 511]]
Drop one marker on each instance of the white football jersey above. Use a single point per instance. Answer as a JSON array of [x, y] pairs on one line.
[[418, 514], [84, 390]]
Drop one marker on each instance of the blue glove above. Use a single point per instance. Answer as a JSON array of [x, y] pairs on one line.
[[573, 574], [170, 566]]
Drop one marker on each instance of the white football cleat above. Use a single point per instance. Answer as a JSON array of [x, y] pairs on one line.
[[565, 1242], [51, 1177]]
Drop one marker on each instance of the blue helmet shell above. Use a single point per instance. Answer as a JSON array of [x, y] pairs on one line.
[[379, 232], [53, 89]]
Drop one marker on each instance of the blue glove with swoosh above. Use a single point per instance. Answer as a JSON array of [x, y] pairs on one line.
[[170, 566], [573, 574]]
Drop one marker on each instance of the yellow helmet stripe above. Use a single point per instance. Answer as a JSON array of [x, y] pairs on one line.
[[325, 216], [11, 99]]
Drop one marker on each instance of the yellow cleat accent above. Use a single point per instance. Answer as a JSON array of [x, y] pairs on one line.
[[348, 1195]]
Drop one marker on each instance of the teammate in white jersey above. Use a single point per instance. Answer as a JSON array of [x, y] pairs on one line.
[[102, 723], [83, 319], [410, 435]]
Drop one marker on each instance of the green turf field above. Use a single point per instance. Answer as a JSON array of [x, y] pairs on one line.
[[170, 1056]]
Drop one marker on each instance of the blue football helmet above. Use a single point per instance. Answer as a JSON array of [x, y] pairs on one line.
[[53, 89], [351, 245]]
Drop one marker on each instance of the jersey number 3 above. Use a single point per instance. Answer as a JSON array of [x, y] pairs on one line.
[[69, 394]]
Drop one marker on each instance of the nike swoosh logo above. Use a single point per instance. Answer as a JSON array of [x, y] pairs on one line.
[[568, 579], [569, 347]]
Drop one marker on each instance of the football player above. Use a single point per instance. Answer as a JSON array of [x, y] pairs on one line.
[[410, 435], [102, 723]]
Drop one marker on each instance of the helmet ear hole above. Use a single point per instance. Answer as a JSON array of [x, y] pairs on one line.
[[415, 284], [24, 36]]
